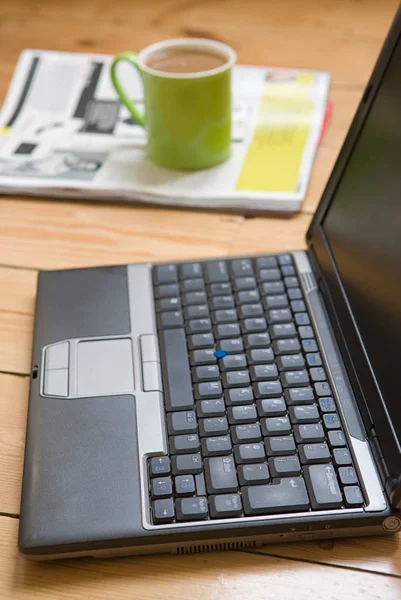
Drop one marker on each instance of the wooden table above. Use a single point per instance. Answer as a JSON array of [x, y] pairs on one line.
[[342, 36]]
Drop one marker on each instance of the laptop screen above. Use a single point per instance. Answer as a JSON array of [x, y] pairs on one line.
[[363, 230]]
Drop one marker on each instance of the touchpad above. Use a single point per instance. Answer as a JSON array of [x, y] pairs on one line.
[[105, 367]]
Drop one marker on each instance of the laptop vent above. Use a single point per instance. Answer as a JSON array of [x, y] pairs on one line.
[[217, 547], [308, 281]]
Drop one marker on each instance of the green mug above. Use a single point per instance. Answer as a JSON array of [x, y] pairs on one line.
[[187, 115]]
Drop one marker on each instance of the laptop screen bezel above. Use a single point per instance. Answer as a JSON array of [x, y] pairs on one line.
[[357, 362]]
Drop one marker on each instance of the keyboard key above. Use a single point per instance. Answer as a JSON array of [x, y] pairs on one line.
[[322, 388], [302, 318], [200, 484], [323, 486], [260, 356], [184, 485], [269, 275], [216, 446], [161, 487], [177, 382], [163, 511], [302, 395], [220, 474], [314, 453], [231, 345], [220, 289], [202, 357], [251, 310], [331, 421], [279, 301], [279, 315], [313, 359], [242, 414], [192, 509], [182, 422], [284, 466], [184, 444], [220, 302], [166, 274], [294, 293], [257, 340], [248, 296], [211, 408], [253, 473], [245, 283], [254, 325], [233, 361], [348, 475], [309, 346], [196, 311], [228, 315], [305, 331], [271, 407], [353, 496], [235, 378], [288, 270], [263, 372], [242, 267], [246, 433], [184, 464], [298, 306], [336, 438], [276, 426], [191, 271], [213, 426], [283, 330], [198, 326], [289, 362], [285, 259], [217, 272], [305, 434], [228, 330], [208, 389], [167, 290], [201, 340], [317, 374], [168, 304], [249, 453], [171, 319], [266, 262], [287, 495], [304, 413], [268, 389], [206, 373], [294, 378], [291, 282], [160, 465], [327, 405], [342, 457], [280, 445], [286, 346], [239, 395], [193, 285], [225, 505], [272, 288]]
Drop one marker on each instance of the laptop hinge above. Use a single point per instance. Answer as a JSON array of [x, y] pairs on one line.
[[381, 462]]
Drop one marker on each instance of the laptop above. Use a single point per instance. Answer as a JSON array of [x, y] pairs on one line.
[[227, 403]]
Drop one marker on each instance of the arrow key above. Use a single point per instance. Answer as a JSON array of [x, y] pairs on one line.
[[163, 511]]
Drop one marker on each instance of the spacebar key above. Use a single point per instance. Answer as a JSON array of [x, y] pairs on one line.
[[177, 383], [287, 495]]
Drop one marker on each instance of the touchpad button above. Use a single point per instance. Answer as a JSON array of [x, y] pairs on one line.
[[105, 367]]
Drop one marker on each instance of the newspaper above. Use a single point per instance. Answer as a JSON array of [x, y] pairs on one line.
[[64, 133]]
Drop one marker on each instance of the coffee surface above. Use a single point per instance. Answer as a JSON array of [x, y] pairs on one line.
[[183, 60]]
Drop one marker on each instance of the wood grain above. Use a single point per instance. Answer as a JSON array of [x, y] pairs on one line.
[[233, 575]]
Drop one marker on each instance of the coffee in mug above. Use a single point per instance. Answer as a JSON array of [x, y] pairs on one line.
[[184, 60]]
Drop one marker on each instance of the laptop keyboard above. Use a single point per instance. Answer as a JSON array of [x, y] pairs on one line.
[[251, 421]]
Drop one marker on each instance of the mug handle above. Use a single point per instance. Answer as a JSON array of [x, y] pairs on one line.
[[132, 58]]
